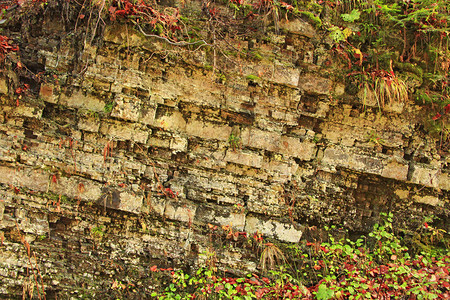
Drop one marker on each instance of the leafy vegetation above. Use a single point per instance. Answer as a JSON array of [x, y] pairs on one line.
[[380, 266]]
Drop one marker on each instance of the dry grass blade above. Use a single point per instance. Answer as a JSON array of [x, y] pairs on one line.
[[389, 90], [271, 256]]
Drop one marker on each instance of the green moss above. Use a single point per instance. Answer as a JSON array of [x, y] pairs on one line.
[[409, 67], [108, 107], [253, 77], [316, 21]]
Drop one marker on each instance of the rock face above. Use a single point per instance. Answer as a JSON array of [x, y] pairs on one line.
[[122, 159]]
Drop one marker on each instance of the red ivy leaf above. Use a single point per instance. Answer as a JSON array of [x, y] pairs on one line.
[[154, 268], [447, 108], [437, 116]]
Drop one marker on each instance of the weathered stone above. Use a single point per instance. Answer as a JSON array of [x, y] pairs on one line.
[[294, 147], [258, 153], [244, 158], [341, 157], [259, 139], [429, 200], [125, 131], [171, 121], [3, 87], [32, 179], [89, 124], [315, 85], [178, 144], [81, 100], [444, 181], [184, 212], [396, 170], [130, 202], [282, 231], [127, 108], [424, 175], [48, 92], [208, 130], [28, 111], [298, 26]]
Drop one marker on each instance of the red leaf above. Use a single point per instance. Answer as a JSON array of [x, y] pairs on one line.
[[154, 268], [447, 108], [54, 180], [437, 116]]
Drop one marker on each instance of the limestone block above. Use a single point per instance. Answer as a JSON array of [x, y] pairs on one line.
[[147, 115], [294, 147], [284, 168], [158, 142], [260, 139], [125, 131], [207, 130], [27, 111], [272, 228], [429, 200], [81, 100], [28, 178], [127, 108], [158, 205], [183, 212], [6, 154], [173, 121], [396, 169], [72, 187], [35, 223], [322, 110], [120, 200], [342, 157], [444, 181], [89, 124], [130, 202], [49, 92], [298, 26], [3, 87], [179, 144], [244, 158], [314, 84], [221, 216], [424, 175], [284, 75]]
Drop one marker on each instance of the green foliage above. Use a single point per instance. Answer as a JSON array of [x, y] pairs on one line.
[[234, 141], [339, 35], [375, 266], [253, 77], [324, 293], [108, 107], [98, 231], [351, 17]]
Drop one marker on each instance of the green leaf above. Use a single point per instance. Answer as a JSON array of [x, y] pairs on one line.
[[351, 17], [324, 293]]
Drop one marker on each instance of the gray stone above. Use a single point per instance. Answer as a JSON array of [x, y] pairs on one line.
[[272, 228]]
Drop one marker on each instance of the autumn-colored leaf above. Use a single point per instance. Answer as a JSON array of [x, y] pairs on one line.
[[154, 268], [437, 116], [447, 108]]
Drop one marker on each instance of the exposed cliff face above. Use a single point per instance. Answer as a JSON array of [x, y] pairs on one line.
[[124, 150]]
